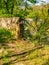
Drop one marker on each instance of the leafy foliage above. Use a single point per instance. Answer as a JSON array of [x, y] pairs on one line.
[[5, 35], [39, 14], [39, 25], [12, 7]]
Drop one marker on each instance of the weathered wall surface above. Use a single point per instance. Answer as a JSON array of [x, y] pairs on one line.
[[10, 23]]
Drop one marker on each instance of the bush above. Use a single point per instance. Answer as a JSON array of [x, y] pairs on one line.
[[5, 35]]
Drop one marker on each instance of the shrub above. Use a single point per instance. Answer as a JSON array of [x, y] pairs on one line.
[[5, 35]]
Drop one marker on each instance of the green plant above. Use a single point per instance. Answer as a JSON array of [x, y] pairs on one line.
[[5, 35]]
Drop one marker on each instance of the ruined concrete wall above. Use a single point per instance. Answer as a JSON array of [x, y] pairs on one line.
[[11, 24]]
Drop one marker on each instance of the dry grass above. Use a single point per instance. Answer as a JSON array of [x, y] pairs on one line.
[[13, 54]]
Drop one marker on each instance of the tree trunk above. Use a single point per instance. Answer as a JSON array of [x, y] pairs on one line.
[[12, 8], [21, 28], [7, 8]]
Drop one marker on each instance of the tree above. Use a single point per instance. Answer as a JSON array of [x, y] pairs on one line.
[[40, 25], [10, 5]]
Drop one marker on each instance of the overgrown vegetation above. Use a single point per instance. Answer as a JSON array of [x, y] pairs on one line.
[[5, 35], [32, 45]]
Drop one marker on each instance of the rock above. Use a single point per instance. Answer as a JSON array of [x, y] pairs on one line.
[[10, 24], [1, 50]]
